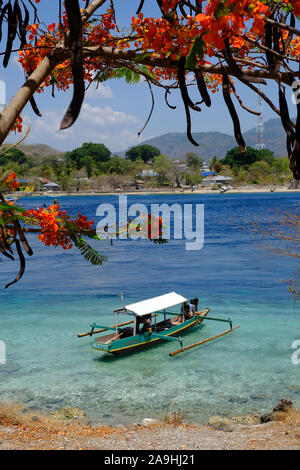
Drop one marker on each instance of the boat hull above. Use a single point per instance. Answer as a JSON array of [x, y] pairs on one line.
[[143, 340]]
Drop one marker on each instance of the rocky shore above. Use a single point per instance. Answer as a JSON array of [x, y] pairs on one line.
[[69, 428]]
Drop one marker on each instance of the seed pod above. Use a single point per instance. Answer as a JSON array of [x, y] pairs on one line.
[[234, 68], [140, 7], [285, 120], [23, 239], [35, 107], [269, 44], [11, 33], [182, 10], [236, 123], [75, 26], [22, 264], [295, 154], [202, 87], [186, 99], [23, 26], [2, 15], [182, 85], [167, 92]]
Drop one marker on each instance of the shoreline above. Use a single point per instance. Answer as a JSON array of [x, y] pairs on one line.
[[21, 429], [160, 191]]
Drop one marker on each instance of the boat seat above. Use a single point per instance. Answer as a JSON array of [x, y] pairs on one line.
[[107, 339], [175, 320]]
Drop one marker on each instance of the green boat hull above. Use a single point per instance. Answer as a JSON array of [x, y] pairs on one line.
[[117, 345]]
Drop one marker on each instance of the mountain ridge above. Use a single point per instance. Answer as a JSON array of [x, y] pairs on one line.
[[215, 143], [175, 145]]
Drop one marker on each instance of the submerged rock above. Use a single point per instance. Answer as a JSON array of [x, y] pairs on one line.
[[239, 400], [69, 412], [258, 396]]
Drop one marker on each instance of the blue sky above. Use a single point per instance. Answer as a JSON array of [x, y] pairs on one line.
[[115, 113]]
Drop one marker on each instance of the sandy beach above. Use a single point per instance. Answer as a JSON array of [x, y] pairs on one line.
[[147, 191]]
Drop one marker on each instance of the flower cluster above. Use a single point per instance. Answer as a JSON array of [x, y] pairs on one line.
[[56, 226], [219, 20], [41, 43], [10, 181]]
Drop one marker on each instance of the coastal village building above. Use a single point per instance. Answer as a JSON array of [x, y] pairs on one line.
[[148, 174], [216, 180], [26, 186], [51, 187]]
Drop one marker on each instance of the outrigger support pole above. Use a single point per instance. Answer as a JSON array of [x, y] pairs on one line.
[[168, 338], [217, 319], [202, 342]]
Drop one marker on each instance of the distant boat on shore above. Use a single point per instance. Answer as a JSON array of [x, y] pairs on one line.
[[223, 189]]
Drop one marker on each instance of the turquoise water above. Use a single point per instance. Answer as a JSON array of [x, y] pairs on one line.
[[60, 295]]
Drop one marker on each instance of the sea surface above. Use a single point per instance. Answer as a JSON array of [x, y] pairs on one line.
[[237, 275]]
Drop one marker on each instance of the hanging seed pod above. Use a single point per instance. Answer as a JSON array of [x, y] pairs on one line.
[[186, 99], [75, 25], [202, 87], [2, 15], [182, 85], [234, 68], [167, 92], [182, 10], [4, 246], [269, 44], [285, 120], [295, 155], [236, 123], [23, 239], [32, 100], [23, 26], [11, 33], [35, 107], [140, 7], [22, 264]]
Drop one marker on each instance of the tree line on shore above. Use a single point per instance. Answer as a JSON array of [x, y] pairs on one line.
[[93, 166]]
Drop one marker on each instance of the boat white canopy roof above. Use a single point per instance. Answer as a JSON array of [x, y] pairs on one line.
[[145, 307]]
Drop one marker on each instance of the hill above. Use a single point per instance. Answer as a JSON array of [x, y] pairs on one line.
[[40, 151], [176, 145]]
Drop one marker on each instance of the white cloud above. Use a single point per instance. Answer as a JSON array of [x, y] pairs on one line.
[[117, 130], [101, 92]]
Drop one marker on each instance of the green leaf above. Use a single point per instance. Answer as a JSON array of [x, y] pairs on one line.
[[91, 255], [196, 50]]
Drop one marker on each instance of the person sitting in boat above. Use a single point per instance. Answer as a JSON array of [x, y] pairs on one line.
[[146, 324], [194, 305], [186, 311]]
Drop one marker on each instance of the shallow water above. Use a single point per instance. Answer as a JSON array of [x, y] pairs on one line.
[[235, 274]]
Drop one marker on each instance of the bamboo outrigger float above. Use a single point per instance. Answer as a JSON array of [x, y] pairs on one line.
[[124, 338]]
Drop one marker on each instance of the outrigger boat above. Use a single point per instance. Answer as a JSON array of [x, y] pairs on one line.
[[126, 338]]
